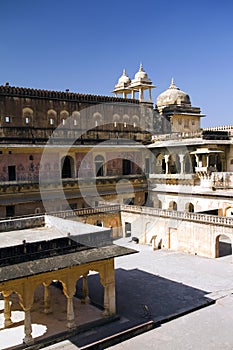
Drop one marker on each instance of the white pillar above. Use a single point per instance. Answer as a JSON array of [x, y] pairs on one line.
[[166, 157], [181, 157], [150, 94], [207, 160]]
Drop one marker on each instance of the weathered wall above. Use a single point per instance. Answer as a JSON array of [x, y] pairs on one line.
[[191, 236]]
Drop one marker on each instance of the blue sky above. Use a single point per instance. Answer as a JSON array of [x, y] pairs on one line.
[[84, 46]]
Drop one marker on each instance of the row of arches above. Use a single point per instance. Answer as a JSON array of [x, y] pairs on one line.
[[76, 118], [23, 291], [189, 207], [174, 163], [127, 167]]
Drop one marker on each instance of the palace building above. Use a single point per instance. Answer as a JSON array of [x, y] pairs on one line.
[[64, 150], [126, 164]]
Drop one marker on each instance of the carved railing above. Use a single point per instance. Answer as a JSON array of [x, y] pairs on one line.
[[87, 211], [204, 218]]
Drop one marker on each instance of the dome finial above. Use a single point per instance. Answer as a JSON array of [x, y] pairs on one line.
[[124, 71], [173, 85], [141, 68]]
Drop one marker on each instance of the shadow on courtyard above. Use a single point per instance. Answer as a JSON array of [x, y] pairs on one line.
[[141, 297]]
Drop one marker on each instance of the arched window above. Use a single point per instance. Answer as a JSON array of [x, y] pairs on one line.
[[189, 207], [160, 166], [52, 115], [99, 166], [172, 205], [76, 119], [63, 116], [67, 166], [135, 120], [98, 119], [27, 115], [126, 120]]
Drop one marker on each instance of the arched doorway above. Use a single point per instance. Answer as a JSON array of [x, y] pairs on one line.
[[172, 205], [189, 163], [174, 164], [67, 165], [223, 246], [99, 166], [189, 207]]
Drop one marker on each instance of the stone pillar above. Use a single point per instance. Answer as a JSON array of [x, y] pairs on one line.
[[141, 94], [107, 279], [166, 158], [47, 300], [26, 298], [150, 94], [28, 340], [207, 161], [69, 289], [181, 157], [70, 313], [132, 94], [7, 309], [109, 299], [85, 296]]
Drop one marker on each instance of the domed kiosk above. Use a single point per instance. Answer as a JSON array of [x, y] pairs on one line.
[[175, 105], [140, 83], [172, 96], [122, 87]]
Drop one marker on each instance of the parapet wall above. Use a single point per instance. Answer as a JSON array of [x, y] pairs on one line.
[[22, 223]]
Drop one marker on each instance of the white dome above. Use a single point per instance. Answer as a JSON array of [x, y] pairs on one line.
[[141, 76], [173, 95], [124, 79]]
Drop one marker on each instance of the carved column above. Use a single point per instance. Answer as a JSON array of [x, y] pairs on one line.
[[166, 158], [28, 327], [28, 340], [70, 313], [150, 94], [85, 295], [69, 289], [107, 279], [7, 309], [26, 297], [47, 299], [181, 157]]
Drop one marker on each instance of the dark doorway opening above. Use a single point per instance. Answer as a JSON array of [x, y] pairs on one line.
[[11, 173], [66, 167], [127, 167], [10, 211], [223, 246]]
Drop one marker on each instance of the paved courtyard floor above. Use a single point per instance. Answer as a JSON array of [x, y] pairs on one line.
[[161, 286]]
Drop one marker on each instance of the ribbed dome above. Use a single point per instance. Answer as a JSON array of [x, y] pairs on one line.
[[173, 95], [124, 79], [141, 76]]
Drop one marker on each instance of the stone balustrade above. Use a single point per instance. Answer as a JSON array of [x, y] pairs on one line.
[[204, 218], [176, 136], [219, 128]]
